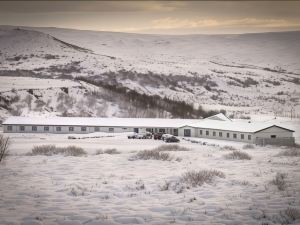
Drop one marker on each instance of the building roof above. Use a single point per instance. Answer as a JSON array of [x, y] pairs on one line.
[[219, 116], [208, 123], [237, 126], [96, 121]]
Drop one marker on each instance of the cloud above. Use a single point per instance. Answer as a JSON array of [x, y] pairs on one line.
[[175, 23], [91, 6]]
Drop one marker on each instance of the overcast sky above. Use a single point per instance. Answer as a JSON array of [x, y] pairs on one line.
[[163, 17]]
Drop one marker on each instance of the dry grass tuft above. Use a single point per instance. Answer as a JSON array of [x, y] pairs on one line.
[[248, 146], [280, 181], [291, 152], [110, 151], [238, 155], [171, 148], [4, 144], [228, 147], [152, 154], [50, 150], [198, 178]]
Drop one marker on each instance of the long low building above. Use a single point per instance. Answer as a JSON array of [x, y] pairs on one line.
[[214, 127]]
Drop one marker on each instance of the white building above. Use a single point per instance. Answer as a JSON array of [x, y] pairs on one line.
[[214, 127]]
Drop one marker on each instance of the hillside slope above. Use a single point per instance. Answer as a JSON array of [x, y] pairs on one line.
[[248, 73]]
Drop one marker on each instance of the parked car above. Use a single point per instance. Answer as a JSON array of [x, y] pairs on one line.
[[164, 136], [157, 136], [132, 136], [148, 135], [172, 139]]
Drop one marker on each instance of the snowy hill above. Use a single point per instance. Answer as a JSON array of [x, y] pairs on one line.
[[247, 73]]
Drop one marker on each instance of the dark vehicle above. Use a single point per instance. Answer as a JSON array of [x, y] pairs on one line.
[[157, 136], [172, 139], [148, 135]]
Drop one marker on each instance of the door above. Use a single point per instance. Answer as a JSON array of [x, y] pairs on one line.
[[187, 132], [175, 132], [136, 130]]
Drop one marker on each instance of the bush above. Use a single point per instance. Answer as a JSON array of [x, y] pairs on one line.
[[228, 147], [238, 155], [111, 151], [152, 154], [292, 214], [171, 148], [280, 181], [198, 178], [50, 150], [290, 152], [248, 146], [4, 144]]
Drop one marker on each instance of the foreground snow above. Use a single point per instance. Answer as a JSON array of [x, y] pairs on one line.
[[110, 189]]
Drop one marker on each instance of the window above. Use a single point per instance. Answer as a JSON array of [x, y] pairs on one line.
[[83, 128], [34, 128], [187, 132], [214, 133], [111, 129], [228, 135], [207, 133], [220, 134], [9, 128], [97, 129], [58, 128], [147, 129], [46, 128], [249, 137], [234, 135], [22, 128], [201, 132], [71, 128], [162, 130], [273, 136], [242, 136]]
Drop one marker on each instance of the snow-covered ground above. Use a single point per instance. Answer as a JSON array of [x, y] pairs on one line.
[[111, 189]]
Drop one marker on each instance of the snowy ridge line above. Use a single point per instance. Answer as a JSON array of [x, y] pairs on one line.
[[247, 66]]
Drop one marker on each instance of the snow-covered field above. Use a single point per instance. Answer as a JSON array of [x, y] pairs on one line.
[[111, 189]]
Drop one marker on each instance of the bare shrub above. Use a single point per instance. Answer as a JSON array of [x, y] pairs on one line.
[[228, 147], [198, 178], [4, 144], [248, 146], [238, 155], [280, 181], [290, 152], [292, 214], [99, 152], [111, 151], [50, 150], [171, 148], [152, 154], [166, 186]]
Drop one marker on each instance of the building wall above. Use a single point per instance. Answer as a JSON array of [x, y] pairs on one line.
[[195, 132], [282, 135], [181, 131], [279, 132]]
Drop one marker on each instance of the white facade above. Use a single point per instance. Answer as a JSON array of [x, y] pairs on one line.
[[216, 127]]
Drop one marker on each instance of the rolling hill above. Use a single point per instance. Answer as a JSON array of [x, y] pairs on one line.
[[242, 74]]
